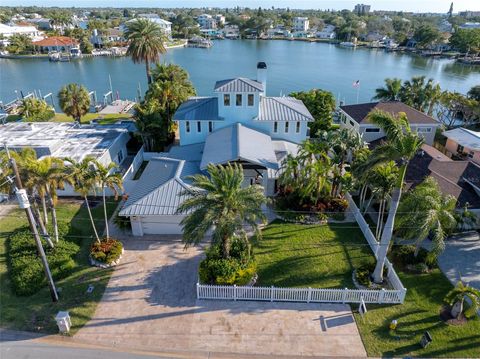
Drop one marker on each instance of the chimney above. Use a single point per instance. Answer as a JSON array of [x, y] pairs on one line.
[[262, 75]]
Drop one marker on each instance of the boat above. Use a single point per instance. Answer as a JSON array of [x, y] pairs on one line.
[[348, 44], [75, 52], [201, 42]]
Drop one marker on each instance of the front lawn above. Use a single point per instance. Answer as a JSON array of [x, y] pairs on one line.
[[37, 312], [317, 256], [102, 119], [419, 313]]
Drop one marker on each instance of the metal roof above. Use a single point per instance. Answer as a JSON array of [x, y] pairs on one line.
[[464, 137], [239, 84], [283, 109], [236, 143], [198, 109], [159, 189]]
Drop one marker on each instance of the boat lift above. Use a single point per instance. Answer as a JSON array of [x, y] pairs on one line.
[[48, 95], [105, 98]]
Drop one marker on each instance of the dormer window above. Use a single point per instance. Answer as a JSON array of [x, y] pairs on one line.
[[251, 99], [226, 100], [238, 100]]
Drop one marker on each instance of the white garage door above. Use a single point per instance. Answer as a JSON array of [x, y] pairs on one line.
[[162, 225]]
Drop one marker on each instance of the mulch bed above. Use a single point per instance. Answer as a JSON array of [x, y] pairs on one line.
[[447, 318]]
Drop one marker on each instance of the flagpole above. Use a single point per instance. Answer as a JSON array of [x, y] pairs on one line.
[[358, 92]]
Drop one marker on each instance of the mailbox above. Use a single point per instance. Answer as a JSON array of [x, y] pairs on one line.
[[63, 321]]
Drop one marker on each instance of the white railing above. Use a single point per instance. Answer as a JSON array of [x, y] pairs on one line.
[[134, 166], [316, 295]]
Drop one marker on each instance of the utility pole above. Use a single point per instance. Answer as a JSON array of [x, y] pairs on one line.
[[23, 202]]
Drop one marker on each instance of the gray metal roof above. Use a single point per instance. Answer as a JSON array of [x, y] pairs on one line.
[[283, 109], [198, 109], [239, 84], [158, 191], [237, 142]]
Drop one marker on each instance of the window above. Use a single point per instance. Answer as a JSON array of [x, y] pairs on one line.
[[424, 129], [238, 100], [286, 126], [460, 149], [297, 129], [210, 126], [120, 156], [352, 123], [226, 100], [370, 129], [471, 154], [250, 99], [275, 127], [199, 126], [187, 126]]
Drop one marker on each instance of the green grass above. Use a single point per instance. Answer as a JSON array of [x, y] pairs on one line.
[[317, 256], [419, 313], [37, 312], [105, 119]]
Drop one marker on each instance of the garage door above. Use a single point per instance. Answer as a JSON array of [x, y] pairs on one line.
[[162, 225]]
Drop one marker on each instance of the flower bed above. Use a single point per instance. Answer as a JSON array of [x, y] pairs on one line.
[[106, 253]]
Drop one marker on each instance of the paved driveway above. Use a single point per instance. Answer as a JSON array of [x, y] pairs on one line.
[[150, 304]]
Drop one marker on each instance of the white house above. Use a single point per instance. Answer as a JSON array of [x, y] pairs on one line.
[[165, 25], [7, 31], [207, 21], [328, 32], [231, 32], [301, 24], [355, 117], [238, 124], [463, 143], [220, 19]]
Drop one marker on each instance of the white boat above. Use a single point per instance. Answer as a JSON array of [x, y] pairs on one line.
[[199, 42], [75, 52], [348, 44]]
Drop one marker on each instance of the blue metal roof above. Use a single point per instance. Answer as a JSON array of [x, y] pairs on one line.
[[198, 109], [239, 84], [283, 109]]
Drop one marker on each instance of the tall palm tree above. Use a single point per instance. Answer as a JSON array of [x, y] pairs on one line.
[[389, 92], [421, 94], [83, 177], [424, 211], [107, 178], [220, 203], [146, 42], [401, 146], [74, 101]]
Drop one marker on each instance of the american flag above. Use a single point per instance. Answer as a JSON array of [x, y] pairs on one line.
[[356, 83]]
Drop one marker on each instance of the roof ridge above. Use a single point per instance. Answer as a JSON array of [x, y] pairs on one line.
[[471, 132], [301, 114]]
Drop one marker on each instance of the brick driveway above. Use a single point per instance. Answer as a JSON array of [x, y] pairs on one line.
[[150, 304]]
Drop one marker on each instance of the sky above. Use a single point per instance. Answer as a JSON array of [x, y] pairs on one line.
[[405, 5]]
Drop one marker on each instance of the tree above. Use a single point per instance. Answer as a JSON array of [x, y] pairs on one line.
[[35, 110], [390, 92], [474, 93], [321, 105], [426, 211], [454, 106], [83, 177], [401, 146], [74, 101], [60, 19], [19, 44], [107, 178], [456, 298], [426, 35], [420, 94], [220, 203], [146, 42], [466, 40]]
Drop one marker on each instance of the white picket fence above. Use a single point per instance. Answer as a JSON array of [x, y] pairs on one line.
[[315, 295]]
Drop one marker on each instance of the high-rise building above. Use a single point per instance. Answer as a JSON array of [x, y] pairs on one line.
[[361, 9]]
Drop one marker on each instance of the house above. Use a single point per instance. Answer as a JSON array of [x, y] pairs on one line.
[[165, 25], [114, 35], [231, 32], [238, 124], [328, 32], [463, 143], [207, 21], [41, 23], [56, 43], [300, 24], [470, 25], [220, 19], [355, 117], [7, 31]]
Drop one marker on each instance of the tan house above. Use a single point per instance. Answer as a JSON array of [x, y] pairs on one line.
[[56, 43], [463, 143]]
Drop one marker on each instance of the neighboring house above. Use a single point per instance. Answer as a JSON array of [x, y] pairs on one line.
[[300, 24], [470, 25], [461, 179], [220, 19], [239, 124], [231, 32], [165, 25], [355, 117], [328, 32], [106, 36], [7, 31], [56, 43], [41, 23], [373, 36], [463, 143], [207, 21]]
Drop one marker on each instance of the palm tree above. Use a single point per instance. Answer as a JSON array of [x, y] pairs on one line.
[[146, 42], [420, 94], [218, 202], [423, 211], [83, 177], [401, 145], [456, 298], [107, 178], [74, 101], [33, 109], [391, 90]]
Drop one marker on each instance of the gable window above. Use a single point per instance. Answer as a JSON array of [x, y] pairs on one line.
[[297, 129], [250, 99], [460, 148], [238, 100], [226, 100], [286, 126], [275, 127], [199, 126], [210, 126], [424, 129], [187, 126], [371, 129], [352, 123]]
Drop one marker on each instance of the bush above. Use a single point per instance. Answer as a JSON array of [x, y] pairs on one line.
[[363, 274], [107, 251], [122, 223], [405, 256], [338, 216], [26, 269]]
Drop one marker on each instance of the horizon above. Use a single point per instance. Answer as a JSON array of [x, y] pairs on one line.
[[432, 6]]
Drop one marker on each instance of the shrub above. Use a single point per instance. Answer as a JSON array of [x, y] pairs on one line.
[[122, 223], [26, 270], [107, 251], [364, 272], [322, 217], [338, 216], [405, 256]]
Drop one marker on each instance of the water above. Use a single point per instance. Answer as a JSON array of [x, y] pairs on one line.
[[292, 66]]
